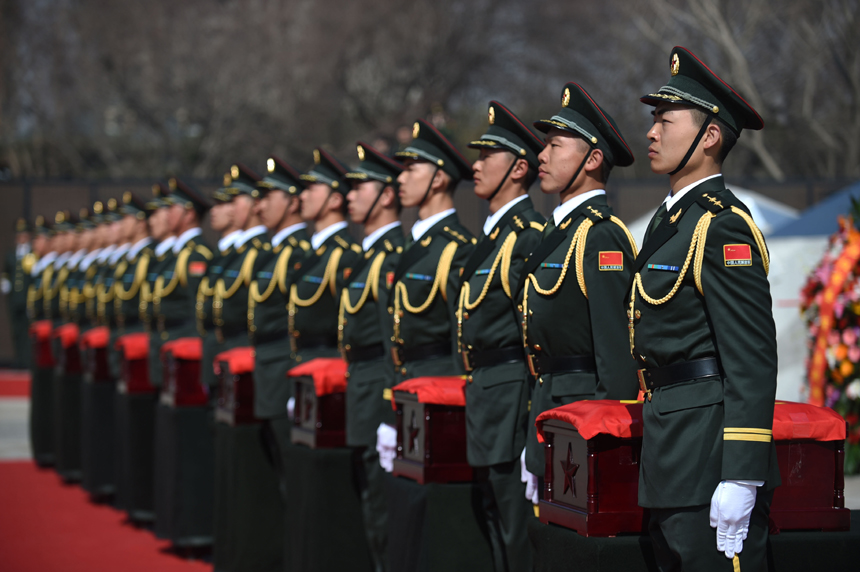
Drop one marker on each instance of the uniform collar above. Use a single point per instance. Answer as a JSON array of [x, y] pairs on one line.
[[672, 199], [227, 241], [119, 252], [184, 238], [76, 257], [248, 235], [22, 250], [421, 227], [561, 211], [105, 253], [138, 246], [62, 259], [371, 238], [165, 245], [44, 262], [320, 237], [285, 232], [91, 256], [494, 218]]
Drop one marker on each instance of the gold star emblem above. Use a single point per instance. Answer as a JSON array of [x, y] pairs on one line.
[[415, 130], [97, 208], [492, 115], [156, 190], [172, 184], [676, 64], [360, 153], [270, 165], [234, 171], [675, 216], [227, 180], [126, 197], [565, 98], [316, 156]]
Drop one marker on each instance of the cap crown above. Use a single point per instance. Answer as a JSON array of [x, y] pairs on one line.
[[428, 144], [506, 131]]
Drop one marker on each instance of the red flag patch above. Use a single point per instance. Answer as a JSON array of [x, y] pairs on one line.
[[737, 255], [346, 273], [197, 268], [389, 279], [611, 260]]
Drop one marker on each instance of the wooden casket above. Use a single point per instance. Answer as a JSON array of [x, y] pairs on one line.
[[431, 430], [134, 363], [68, 355], [40, 338], [592, 468], [234, 370], [181, 365], [94, 356], [319, 388]]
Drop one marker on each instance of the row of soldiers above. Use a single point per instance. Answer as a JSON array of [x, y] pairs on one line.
[[535, 313]]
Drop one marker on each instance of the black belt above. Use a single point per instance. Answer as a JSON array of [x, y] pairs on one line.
[[364, 353], [427, 351], [487, 358], [654, 377], [316, 342], [541, 365]]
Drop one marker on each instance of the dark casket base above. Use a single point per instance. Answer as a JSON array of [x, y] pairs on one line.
[[319, 420], [436, 526], [324, 528], [557, 548], [184, 475], [235, 398], [98, 437], [41, 421], [248, 516], [135, 449], [182, 387], [67, 424]]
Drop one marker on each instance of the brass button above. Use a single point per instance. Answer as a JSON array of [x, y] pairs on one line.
[[540, 381], [402, 371], [465, 315], [390, 310], [347, 347], [346, 375], [638, 314], [520, 307], [469, 379], [537, 347]]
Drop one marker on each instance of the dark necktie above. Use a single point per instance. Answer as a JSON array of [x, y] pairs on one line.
[[658, 218], [550, 226]]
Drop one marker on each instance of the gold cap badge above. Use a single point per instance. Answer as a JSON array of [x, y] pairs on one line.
[[227, 180], [492, 115], [156, 190], [97, 207], [172, 183], [415, 130], [60, 217], [360, 150], [112, 204], [676, 64], [234, 171], [316, 156], [126, 197], [565, 97], [270, 165]]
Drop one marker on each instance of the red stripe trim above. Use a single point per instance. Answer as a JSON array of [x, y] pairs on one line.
[[376, 153], [517, 119], [450, 145], [603, 116]]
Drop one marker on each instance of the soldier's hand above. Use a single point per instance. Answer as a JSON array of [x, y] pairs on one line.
[[529, 479], [731, 507]]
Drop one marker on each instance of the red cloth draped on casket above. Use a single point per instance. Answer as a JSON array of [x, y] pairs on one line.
[[438, 390], [329, 374], [41, 330], [623, 419], [68, 334], [96, 338], [133, 346], [190, 349], [238, 360]]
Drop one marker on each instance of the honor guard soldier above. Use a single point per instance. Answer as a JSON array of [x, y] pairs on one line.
[[364, 327], [579, 272], [423, 300], [489, 336], [702, 330], [58, 272], [14, 284], [315, 292], [112, 256], [71, 304], [90, 266], [268, 297]]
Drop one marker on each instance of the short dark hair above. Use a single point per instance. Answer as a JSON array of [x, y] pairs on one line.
[[729, 137], [605, 166]]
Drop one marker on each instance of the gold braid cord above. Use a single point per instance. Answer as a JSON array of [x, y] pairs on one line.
[[759, 238], [139, 278], [279, 278], [401, 294], [371, 286], [329, 276], [245, 276], [578, 244]]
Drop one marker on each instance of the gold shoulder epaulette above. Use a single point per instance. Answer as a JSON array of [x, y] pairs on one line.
[[305, 245], [356, 248], [519, 223], [597, 215], [388, 246], [456, 235], [710, 203], [341, 242], [292, 240], [537, 226]]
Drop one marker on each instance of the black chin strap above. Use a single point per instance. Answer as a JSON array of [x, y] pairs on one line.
[[430, 186], [576, 174], [322, 206], [695, 144], [376, 200], [502, 182]]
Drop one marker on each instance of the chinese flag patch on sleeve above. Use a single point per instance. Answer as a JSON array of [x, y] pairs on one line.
[[389, 279], [611, 260], [197, 268], [737, 255], [347, 272]]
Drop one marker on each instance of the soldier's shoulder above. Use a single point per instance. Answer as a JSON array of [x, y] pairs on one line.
[[456, 232], [261, 244]]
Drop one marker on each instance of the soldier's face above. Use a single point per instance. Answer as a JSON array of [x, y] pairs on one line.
[[243, 207], [361, 199], [414, 182], [40, 244], [128, 222], [174, 217], [490, 169], [671, 135], [559, 160], [117, 236], [313, 198], [158, 224], [221, 216], [273, 208]]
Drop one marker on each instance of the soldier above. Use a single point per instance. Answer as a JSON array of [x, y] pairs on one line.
[[315, 292], [58, 272], [579, 271], [365, 329], [702, 331], [14, 284], [489, 335], [424, 296]]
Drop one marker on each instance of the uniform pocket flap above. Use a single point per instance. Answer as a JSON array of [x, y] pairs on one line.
[[690, 395]]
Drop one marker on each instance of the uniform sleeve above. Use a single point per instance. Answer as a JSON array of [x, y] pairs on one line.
[[195, 270], [738, 303], [386, 323], [461, 257], [527, 242], [606, 282]]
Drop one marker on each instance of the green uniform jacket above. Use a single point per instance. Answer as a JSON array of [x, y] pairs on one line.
[[35, 290], [205, 316], [497, 396], [705, 270], [268, 323], [103, 285], [575, 310], [315, 295], [158, 265], [424, 296], [17, 271], [53, 282], [365, 323]]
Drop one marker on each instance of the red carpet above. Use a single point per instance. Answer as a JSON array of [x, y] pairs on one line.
[[49, 527], [14, 383]]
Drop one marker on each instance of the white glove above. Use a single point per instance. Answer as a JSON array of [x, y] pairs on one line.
[[386, 446], [529, 479], [731, 507], [5, 286], [291, 407]]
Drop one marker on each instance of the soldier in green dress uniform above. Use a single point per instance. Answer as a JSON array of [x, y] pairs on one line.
[[490, 340], [702, 331], [424, 294], [365, 329], [14, 284], [315, 292], [579, 271]]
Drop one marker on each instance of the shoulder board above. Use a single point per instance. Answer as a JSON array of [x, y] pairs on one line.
[[260, 245], [388, 246], [598, 214], [305, 244], [710, 202], [242, 248], [344, 244], [456, 235], [399, 249], [292, 240], [519, 226], [356, 248], [202, 250]]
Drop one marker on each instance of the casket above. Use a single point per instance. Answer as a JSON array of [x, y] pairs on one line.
[[40, 337], [431, 430], [319, 388], [66, 344], [134, 363], [181, 360], [592, 468], [94, 355], [234, 370]]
